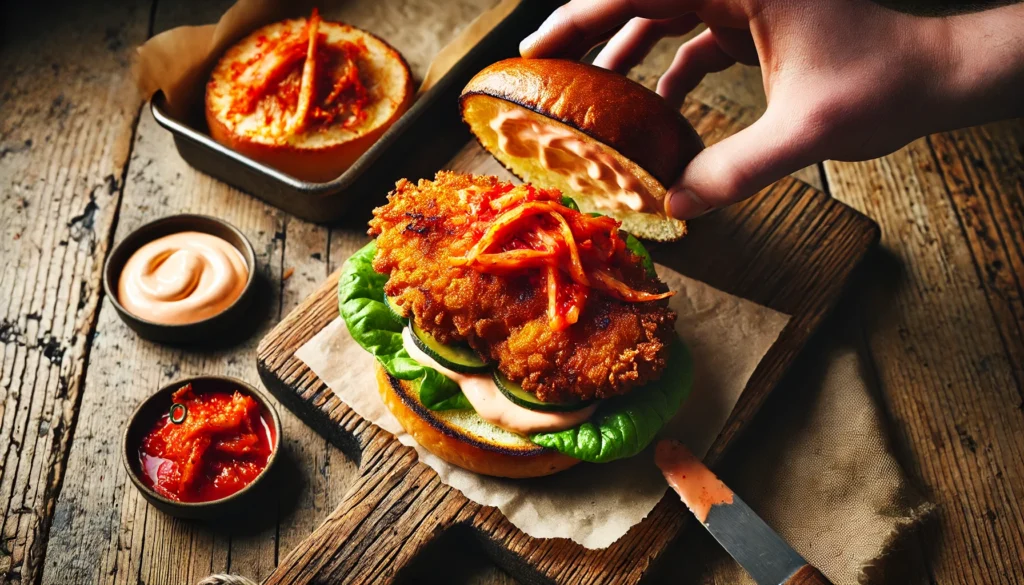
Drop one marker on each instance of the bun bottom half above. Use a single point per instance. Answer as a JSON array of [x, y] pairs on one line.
[[316, 165], [319, 153], [465, 440]]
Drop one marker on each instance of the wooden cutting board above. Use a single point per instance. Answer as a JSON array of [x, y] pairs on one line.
[[791, 248]]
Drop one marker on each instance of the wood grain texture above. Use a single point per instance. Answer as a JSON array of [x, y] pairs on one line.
[[106, 533], [945, 335], [67, 113], [791, 248], [808, 575], [103, 531]]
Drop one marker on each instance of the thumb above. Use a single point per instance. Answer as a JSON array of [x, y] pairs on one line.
[[741, 165]]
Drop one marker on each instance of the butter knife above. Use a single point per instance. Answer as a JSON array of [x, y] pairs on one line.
[[753, 544]]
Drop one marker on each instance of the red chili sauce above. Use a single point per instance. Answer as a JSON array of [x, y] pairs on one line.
[[224, 442]]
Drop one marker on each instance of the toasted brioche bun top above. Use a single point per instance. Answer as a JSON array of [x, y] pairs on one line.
[[253, 94], [636, 134]]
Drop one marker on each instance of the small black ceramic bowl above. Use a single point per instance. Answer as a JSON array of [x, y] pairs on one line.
[[158, 405], [207, 330]]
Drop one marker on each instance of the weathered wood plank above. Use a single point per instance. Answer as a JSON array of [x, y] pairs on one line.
[[983, 172], [99, 513], [103, 518], [67, 112], [316, 475], [943, 322], [326, 474]]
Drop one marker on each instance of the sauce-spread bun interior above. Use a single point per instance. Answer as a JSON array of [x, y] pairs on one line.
[[461, 438], [608, 142], [307, 104]]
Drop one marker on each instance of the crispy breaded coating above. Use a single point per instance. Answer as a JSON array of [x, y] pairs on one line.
[[614, 346]]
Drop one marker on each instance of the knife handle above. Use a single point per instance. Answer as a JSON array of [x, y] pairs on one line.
[[807, 575]]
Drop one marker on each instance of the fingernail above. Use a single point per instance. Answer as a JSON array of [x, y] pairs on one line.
[[685, 204], [526, 44]]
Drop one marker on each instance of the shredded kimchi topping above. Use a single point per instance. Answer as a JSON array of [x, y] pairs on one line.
[[302, 82], [220, 447], [529, 229]]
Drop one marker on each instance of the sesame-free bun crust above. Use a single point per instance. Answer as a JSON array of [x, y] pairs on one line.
[[649, 137], [462, 438], [319, 154]]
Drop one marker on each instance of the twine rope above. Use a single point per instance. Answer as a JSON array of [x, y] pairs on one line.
[[226, 579]]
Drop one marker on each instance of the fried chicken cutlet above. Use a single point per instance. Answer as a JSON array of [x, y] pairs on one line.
[[551, 295]]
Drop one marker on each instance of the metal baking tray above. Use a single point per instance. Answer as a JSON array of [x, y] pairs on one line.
[[413, 147]]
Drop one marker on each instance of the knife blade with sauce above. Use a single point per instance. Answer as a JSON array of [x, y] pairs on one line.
[[753, 544]]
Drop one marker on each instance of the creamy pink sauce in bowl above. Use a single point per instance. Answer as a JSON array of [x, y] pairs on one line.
[[184, 279]]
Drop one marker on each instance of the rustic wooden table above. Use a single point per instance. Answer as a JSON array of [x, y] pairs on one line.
[[939, 310]]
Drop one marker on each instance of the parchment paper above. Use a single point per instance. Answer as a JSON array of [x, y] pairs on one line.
[[591, 504], [179, 61]]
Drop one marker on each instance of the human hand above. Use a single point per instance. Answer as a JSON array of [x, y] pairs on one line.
[[845, 79]]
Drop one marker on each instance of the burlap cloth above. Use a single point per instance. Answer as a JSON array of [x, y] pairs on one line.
[[818, 466]]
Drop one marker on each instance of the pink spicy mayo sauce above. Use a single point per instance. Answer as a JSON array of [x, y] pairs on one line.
[[585, 164], [692, 480], [493, 406], [182, 278]]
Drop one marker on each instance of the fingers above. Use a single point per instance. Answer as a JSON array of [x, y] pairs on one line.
[[694, 59], [739, 166], [574, 28], [737, 42], [634, 41], [629, 46]]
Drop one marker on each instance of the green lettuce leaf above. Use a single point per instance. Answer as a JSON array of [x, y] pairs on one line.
[[634, 246], [371, 324], [624, 426]]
